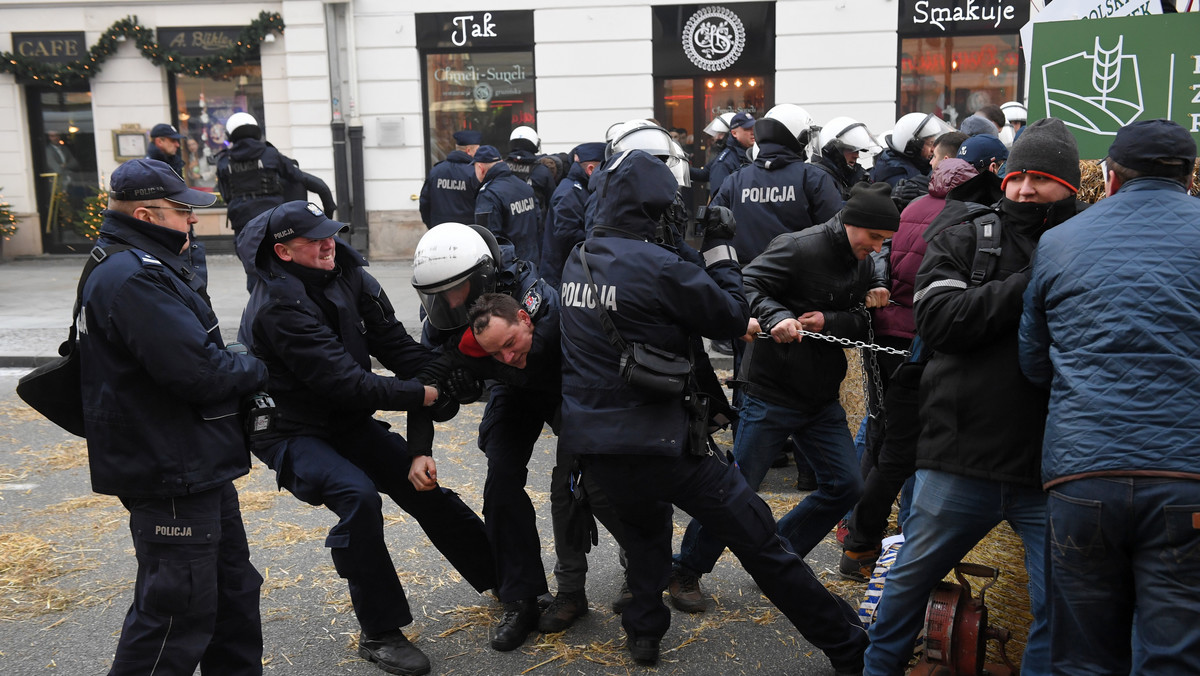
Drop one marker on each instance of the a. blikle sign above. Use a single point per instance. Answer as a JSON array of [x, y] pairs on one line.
[[1100, 75]]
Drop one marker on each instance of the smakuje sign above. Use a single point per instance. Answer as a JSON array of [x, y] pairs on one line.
[[1099, 75]]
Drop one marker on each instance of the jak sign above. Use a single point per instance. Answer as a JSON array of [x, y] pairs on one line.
[[1099, 75]]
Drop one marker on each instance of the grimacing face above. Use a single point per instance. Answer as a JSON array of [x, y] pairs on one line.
[[317, 254], [508, 342]]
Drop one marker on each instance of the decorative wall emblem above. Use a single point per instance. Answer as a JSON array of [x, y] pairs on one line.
[[713, 38]]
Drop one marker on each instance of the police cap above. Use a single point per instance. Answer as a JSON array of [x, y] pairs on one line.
[[468, 137], [301, 219], [487, 154]]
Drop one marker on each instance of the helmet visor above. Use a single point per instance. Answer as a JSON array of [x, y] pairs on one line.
[[447, 306]]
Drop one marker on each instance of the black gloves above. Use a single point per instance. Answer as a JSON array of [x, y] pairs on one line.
[[434, 372], [462, 386], [581, 525]]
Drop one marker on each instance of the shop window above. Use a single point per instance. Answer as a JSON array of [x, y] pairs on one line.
[[490, 92], [201, 107], [955, 76]]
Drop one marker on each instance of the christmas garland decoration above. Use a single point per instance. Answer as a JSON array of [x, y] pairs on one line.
[[210, 65]]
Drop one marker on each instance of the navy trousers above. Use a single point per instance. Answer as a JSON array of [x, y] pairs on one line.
[[642, 488], [195, 601], [347, 475]]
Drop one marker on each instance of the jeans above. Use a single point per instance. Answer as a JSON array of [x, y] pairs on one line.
[[950, 514], [1118, 544], [827, 445]]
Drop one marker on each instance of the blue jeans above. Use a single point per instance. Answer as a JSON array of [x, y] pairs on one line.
[[826, 444], [950, 515], [1118, 544]]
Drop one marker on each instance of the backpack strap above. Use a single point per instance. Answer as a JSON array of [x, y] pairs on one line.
[[987, 253], [98, 256]]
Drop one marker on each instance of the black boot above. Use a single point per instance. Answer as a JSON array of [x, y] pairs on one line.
[[563, 611], [644, 650], [520, 618], [392, 652]]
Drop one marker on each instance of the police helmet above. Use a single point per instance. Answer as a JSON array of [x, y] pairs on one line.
[[847, 135], [719, 125], [242, 125], [524, 133], [911, 130], [655, 140], [1014, 111], [453, 265]]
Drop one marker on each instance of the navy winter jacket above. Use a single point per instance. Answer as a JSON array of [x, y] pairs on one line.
[[448, 195], [248, 195], [891, 167], [506, 205], [565, 227], [161, 395]]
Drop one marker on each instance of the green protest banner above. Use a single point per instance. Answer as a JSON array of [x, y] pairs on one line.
[[1098, 75]]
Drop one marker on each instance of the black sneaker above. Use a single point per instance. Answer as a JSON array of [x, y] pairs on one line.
[[624, 598], [392, 652], [685, 592], [563, 611], [520, 618], [644, 650]]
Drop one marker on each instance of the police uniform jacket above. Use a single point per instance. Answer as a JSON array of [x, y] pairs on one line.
[[174, 161], [980, 416], [1123, 399], [161, 395], [565, 227], [528, 167], [890, 167], [261, 182], [506, 205], [778, 193], [845, 177], [317, 332], [655, 297], [802, 272], [732, 158], [448, 195]]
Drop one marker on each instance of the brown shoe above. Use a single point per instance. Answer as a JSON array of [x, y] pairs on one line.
[[858, 566], [563, 611], [685, 592]]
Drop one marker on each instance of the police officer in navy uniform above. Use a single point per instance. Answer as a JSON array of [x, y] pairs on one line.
[[253, 176], [455, 265], [165, 142], [568, 209], [161, 394], [523, 159], [638, 443], [733, 157], [506, 205], [841, 141], [448, 195], [316, 317]]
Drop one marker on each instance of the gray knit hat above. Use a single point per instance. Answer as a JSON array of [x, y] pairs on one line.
[[978, 124], [1047, 148]]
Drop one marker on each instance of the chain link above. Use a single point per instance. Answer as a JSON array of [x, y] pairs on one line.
[[846, 342]]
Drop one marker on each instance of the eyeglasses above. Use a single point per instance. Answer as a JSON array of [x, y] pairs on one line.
[[188, 210]]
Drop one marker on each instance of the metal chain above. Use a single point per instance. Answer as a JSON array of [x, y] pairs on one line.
[[846, 342]]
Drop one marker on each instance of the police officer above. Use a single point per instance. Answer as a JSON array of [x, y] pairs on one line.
[[909, 148], [506, 205], [640, 444], [253, 176], [160, 398], [165, 142], [448, 195], [568, 209], [841, 141], [525, 162], [513, 340], [733, 157], [316, 317]]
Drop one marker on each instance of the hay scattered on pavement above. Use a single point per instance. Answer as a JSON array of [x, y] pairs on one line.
[[19, 412], [28, 564], [67, 454], [257, 501], [286, 534]]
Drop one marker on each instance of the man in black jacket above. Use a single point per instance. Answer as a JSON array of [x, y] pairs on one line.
[[817, 281], [979, 454], [161, 396], [316, 318], [165, 142], [448, 195]]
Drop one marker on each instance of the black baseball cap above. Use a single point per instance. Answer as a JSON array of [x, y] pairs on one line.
[[301, 219], [1143, 145], [142, 180]]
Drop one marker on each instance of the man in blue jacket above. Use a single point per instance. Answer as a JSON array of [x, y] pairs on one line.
[[733, 157], [1121, 457], [161, 401], [647, 449], [316, 317], [165, 142], [448, 195], [568, 209], [507, 206]]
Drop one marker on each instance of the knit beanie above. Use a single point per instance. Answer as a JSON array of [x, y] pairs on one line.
[[871, 207], [1047, 148]]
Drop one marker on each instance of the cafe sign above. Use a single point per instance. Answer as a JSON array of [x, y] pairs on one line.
[[50, 47], [961, 17]]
